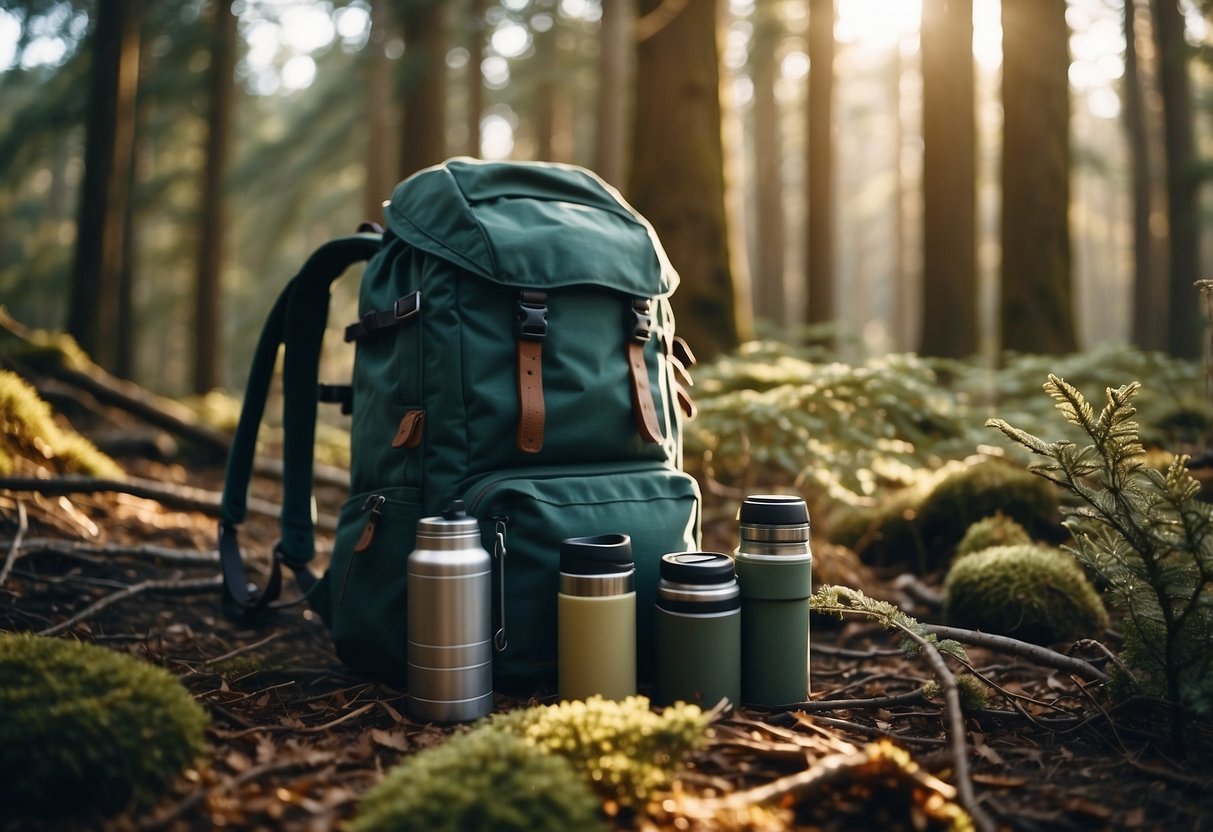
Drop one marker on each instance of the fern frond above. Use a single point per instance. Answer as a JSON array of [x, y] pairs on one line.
[[1033, 443], [1072, 404]]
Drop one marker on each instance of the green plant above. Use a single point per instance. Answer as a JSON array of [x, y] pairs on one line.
[[83, 728], [480, 781], [995, 530], [1147, 538], [624, 750], [1033, 593]]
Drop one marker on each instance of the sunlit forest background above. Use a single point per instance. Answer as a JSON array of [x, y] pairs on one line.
[[955, 178]]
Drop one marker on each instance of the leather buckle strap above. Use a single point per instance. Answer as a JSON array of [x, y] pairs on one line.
[[643, 407], [531, 327]]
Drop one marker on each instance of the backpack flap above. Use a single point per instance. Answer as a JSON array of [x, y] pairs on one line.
[[550, 294]]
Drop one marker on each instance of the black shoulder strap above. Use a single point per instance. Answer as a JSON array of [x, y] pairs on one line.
[[297, 320]]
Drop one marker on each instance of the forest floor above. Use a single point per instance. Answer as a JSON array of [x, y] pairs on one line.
[[296, 739]]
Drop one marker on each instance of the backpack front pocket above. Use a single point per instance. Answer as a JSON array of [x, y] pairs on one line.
[[528, 512]]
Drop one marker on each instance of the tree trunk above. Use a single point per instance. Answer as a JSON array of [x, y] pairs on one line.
[[1184, 332], [1037, 309], [208, 288], [677, 178], [949, 181], [475, 77], [770, 295], [423, 137], [547, 66], [108, 156], [819, 254], [615, 60], [379, 179], [1149, 310]]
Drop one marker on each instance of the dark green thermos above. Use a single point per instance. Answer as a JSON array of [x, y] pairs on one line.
[[697, 630], [774, 569]]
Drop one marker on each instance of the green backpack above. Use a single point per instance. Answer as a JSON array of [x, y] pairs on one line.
[[516, 351]]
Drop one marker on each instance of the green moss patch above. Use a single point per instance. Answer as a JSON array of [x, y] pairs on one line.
[[86, 729], [1033, 593], [921, 531], [30, 438], [481, 780], [995, 530]]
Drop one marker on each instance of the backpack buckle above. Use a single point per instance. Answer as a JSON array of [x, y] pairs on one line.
[[531, 316], [407, 306], [642, 320]]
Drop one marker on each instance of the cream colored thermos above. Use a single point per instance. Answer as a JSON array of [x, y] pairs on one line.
[[596, 618]]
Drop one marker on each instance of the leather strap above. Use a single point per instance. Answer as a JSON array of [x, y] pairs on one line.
[[642, 395], [530, 396]]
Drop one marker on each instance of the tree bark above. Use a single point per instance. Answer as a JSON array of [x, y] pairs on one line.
[[1185, 326], [677, 178], [1149, 310], [100, 234], [211, 238], [424, 87], [615, 65], [379, 179], [819, 254], [475, 78], [770, 295], [1037, 306], [949, 181]]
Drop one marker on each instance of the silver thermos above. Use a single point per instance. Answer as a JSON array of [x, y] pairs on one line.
[[450, 650]]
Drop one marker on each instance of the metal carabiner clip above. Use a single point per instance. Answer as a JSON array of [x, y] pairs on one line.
[[499, 639]]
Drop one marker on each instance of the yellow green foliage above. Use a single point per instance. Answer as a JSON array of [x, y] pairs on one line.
[[30, 437], [995, 530], [624, 750], [480, 781], [1034, 593], [922, 530], [87, 729]]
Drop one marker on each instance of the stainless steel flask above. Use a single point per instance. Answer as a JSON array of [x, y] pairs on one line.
[[774, 568], [450, 650]]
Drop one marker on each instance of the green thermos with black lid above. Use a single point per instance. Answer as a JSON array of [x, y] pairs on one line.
[[697, 630], [774, 569], [596, 618]]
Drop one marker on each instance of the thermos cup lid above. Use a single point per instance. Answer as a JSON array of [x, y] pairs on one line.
[[774, 510], [597, 555], [453, 522], [697, 568]]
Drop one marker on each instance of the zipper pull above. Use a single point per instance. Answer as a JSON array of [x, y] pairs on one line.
[[373, 504]]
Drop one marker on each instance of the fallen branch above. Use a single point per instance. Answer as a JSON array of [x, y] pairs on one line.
[[159, 554], [196, 585], [15, 546], [1023, 649], [180, 497], [109, 389]]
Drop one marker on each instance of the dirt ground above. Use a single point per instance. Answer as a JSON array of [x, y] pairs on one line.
[[296, 739]]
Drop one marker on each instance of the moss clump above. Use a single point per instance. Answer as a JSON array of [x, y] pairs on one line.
[[624, 750], [1031, 592], [995, 530], [920, 531], [481, 780], [31, 439], [86, 729]]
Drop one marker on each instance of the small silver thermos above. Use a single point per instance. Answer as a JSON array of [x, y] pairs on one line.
[[450, 650]]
